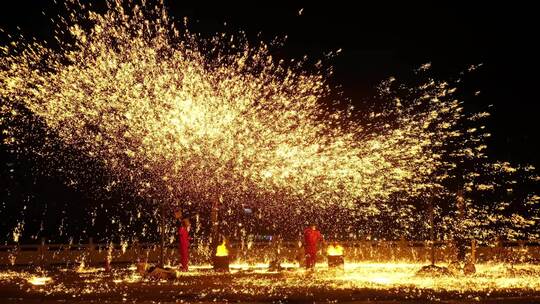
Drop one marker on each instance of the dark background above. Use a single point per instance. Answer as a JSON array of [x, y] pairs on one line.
[[377, 41]]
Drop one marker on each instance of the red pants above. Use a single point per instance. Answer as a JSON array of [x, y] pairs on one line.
[[311, 258], [184, 258]]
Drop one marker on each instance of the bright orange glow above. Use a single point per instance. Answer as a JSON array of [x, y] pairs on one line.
[[490, 277], [222, 250], [38, 281], [334, 250]]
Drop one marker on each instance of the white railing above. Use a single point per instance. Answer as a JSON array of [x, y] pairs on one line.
[[402, 250]]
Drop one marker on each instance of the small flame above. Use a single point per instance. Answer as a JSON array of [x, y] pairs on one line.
[[222, 250], [334, 250], [39, 280], [81, 267]]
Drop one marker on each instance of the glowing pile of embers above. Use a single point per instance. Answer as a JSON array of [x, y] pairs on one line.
[[348, 275]]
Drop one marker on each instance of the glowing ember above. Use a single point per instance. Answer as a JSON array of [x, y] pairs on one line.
[[334, 250], [39, 280], [222, 250], [360, 278], [489, 277]]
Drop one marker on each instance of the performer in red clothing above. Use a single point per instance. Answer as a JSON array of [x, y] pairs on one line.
[[312, 237], [183, 237]]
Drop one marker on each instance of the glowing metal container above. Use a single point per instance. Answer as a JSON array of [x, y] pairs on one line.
[[221, 263], [336, 261]]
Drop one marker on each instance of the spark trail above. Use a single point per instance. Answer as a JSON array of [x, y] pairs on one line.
[[215, 118]]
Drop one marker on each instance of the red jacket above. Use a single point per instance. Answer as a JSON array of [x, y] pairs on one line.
[[183, 236], [311, 239]]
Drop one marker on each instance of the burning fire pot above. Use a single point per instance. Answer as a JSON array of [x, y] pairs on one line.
[[221, 259], [334, 253]]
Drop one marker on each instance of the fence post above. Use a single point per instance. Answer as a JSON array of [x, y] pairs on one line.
[[42, 250], [426, 252], [135, 251], [372, 250], [473, 251], [523, 252], [402, 247], [499, 250], [108, 256], [432, 231], [90, 250]]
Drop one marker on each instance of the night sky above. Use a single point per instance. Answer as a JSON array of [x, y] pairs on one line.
[[377, 41]]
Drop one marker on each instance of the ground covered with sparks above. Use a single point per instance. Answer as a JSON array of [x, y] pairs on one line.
[[256, 283]]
